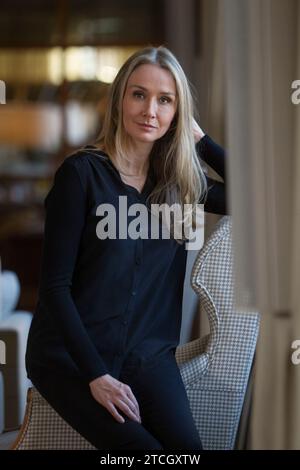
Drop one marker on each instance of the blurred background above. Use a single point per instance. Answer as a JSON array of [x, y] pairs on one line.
[[57, 59]]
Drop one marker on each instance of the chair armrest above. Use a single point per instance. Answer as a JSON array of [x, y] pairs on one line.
[[193, 360], [195, 357], [188, 351]]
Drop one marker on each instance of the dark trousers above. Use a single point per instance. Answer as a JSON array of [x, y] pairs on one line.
[[167, 422]]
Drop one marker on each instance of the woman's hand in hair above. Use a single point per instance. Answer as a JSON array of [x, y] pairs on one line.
[[111, 393], [197, 131]]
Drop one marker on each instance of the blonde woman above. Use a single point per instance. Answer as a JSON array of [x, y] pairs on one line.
[[101, 348]]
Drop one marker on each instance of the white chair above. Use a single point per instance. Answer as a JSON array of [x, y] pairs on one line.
[[14, 328]]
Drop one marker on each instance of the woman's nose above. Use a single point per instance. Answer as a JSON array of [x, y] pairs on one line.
[[150, 109]]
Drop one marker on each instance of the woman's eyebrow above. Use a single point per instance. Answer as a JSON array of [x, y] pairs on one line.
[[145, 89]]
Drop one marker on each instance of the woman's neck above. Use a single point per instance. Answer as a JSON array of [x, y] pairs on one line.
[[136, 162]]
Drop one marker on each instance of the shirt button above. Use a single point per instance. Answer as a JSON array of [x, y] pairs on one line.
[[133, 292], [124, 322]]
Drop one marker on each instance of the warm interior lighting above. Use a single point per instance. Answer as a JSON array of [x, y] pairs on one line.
[[80, 63], [107, 73], [53, 64]]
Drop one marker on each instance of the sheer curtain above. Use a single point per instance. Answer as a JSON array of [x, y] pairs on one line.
[[261, 46]]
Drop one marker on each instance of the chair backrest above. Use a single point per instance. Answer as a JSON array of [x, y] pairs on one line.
[[215, 369]]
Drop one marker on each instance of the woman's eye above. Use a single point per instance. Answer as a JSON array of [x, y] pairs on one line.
[[165, 99], [138, 94]]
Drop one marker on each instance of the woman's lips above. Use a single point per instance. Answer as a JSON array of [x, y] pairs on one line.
[[146, 126]]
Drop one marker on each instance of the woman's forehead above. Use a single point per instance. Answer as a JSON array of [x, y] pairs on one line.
[[152, 76]]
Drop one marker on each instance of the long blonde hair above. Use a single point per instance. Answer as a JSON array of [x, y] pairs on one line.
[[174, 162]]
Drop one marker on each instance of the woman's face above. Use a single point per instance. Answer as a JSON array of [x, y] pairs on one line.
[[149, 103]]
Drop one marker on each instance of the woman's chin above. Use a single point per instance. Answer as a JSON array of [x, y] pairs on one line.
[[144, 139]]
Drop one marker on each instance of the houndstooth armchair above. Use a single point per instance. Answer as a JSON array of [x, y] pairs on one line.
[[215, 369]]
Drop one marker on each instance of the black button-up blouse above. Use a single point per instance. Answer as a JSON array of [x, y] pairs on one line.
[[104, 302]]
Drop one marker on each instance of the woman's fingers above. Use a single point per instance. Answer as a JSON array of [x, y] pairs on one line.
[[197, 131], [129, 400], [126, 408], [132, 398], [129, 409], [110, 393], [113, 411]]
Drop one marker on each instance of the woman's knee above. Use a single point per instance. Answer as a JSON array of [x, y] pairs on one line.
[[183, 442], [141, 443], [132, 438]]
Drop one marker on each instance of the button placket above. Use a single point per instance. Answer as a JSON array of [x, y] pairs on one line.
[[133, 293]]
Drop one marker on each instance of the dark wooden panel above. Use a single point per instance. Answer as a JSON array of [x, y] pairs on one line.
[[74, 22]]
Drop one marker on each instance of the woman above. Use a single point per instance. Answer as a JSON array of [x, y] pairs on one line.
[[101, 348]]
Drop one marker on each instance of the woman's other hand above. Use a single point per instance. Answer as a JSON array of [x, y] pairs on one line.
[[112, 393], [197, 131]]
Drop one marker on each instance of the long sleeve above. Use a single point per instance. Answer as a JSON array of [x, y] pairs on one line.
[[65, 219], [214, 156]]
